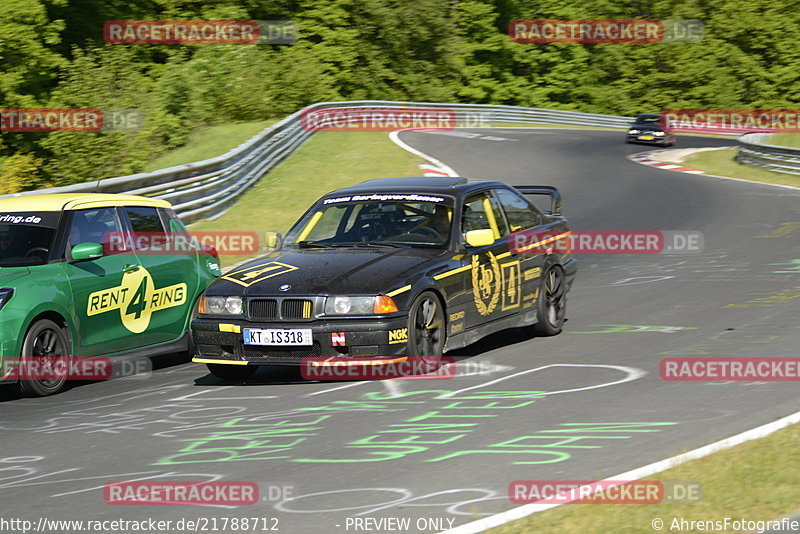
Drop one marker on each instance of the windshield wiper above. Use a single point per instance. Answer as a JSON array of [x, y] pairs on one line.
[[312, 244], [360, 244], [369, 244]]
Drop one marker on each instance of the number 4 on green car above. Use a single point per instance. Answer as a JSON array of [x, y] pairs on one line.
[[75, 281]]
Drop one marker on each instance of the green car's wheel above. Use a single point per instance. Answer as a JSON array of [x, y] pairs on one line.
[[231, 372], [44, 345], [552, 305], [426, 330]]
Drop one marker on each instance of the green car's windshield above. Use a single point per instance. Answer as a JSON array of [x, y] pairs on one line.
[[387, 223], [23, 245]]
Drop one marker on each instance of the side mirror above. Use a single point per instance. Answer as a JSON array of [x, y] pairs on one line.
[[272, 241], [480, 238], [87, 251]]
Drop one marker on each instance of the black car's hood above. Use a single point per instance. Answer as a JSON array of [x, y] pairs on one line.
[[326, 271]]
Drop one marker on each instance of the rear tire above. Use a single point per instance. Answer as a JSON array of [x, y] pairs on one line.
[[552, 304], [44, 345], [427, 329], [231, 372]]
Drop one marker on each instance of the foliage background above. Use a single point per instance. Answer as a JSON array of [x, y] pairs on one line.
[[52, 55]]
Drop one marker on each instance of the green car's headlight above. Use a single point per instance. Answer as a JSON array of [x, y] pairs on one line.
[[5, 295], [220, 306], [632, 132]]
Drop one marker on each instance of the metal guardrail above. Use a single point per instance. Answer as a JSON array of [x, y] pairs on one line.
[[753, 150], [206, 189]]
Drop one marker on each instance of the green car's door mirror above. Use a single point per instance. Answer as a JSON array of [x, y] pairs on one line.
[[480, 238], [87, 251]]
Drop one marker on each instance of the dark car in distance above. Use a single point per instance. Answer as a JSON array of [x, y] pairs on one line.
[[385, 270], [652, 129]]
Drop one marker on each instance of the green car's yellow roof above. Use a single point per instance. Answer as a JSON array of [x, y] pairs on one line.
[[76, 201]]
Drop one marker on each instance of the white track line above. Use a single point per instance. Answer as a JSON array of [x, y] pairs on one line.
[[631, 372], [335, 389], [635, 474], [396, 140]]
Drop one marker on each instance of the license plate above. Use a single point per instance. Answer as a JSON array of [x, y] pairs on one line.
[[646, 137], [277, 336]]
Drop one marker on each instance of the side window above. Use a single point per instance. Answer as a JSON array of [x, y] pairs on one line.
[[99, 225], [146, 226], [521, 215], [481, 212]]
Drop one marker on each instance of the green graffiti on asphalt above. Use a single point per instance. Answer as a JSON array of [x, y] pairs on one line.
[[794, 269], [442, 417], [626, 328]]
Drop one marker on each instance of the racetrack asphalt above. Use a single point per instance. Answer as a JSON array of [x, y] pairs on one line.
[[583, 405]]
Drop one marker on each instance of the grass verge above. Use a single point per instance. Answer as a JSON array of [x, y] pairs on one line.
[[208, 142], [284, 194], [722, 163], [753, 481], [785, 139]]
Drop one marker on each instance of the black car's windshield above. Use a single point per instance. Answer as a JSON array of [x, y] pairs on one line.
[[648, 119], [374, 224], [23, 245]]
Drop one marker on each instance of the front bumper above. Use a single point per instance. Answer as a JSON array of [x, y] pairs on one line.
[[222, 342], [656, 140]]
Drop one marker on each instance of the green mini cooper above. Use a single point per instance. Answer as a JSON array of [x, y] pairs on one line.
[[77, 283]]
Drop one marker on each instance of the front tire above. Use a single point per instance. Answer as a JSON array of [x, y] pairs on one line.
[[427, 330], [231, 372], [552, 305], [45, 344]]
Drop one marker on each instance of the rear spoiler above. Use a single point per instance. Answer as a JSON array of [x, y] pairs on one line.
[[555, 196]]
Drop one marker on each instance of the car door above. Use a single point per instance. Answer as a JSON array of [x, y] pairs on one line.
[[101, 288], [493, 280], [523, 218], [167, 278]]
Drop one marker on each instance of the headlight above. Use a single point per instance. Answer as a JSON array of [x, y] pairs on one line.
[[660, 134], [344, 305], [220, 305], [5, 295], [633, 132]]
